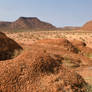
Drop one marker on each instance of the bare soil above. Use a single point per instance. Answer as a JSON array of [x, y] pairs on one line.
[[50, 62]]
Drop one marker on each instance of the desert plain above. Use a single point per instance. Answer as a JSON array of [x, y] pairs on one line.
[[53, 60]]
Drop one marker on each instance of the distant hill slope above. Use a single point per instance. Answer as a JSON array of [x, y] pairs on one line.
[[4, 25], [26, 23], [71, 28], [87, 26]]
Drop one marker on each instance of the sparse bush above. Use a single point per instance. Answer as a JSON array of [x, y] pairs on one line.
[[89, 88], [89, 55]]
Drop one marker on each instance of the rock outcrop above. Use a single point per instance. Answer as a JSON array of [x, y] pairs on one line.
[[8, 47]]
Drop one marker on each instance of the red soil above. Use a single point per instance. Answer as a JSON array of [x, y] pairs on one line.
[[43, 72], [42, 68]]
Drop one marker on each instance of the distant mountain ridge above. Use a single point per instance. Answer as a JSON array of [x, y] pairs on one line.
[[4, 24], [33, 23], [26, 23]]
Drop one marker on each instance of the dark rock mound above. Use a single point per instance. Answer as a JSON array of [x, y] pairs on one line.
[[39, 72], [45, 63], [8, 47]]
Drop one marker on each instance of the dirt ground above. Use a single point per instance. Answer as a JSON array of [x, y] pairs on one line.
[[28, 38]]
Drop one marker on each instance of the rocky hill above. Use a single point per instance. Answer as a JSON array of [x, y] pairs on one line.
[[26, 23], [87, 26]]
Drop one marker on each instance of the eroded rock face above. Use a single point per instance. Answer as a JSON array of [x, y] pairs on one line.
[[39, 72], [8, 47]]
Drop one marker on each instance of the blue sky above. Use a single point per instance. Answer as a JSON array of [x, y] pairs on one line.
[[58, 12]]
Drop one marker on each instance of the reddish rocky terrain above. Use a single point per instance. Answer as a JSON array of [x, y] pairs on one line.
[[82, 40], [48, 65]]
